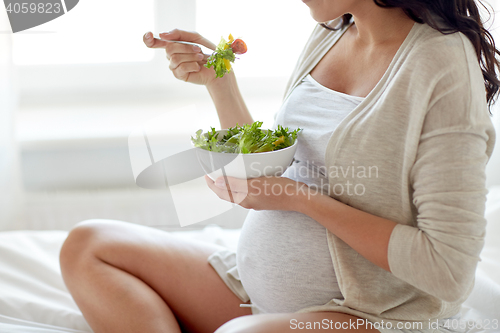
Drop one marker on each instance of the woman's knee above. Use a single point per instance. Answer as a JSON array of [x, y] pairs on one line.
[[82, 242]]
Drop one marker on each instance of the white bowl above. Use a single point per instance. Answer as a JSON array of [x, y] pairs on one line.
[[246, 166]]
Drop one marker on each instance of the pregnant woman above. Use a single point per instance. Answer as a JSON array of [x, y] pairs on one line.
[[379, 223]]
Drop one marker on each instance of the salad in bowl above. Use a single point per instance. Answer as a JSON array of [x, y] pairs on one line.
[[246, 151]]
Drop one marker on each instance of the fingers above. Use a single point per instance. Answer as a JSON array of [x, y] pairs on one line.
[[187, 36], [152, 42], [184, 59], [183, 70], [173, 48], [222, 193], [179, 58], [228, 194], [235, 184]]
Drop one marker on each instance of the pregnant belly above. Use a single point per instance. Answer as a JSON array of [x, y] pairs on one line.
[[284, 262]]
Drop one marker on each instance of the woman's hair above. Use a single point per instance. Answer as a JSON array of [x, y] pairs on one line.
[[458, 15]]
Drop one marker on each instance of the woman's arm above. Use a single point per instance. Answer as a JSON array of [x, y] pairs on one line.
[[367, 234], [228, 101]]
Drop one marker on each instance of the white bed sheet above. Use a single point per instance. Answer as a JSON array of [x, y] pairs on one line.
[[34, 299]]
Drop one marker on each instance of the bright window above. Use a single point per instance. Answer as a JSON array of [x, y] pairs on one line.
[[94, 31]]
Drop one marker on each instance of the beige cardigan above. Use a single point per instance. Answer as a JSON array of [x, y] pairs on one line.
[[426, 129]]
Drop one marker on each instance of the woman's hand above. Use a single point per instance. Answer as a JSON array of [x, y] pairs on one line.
[[262, 193], [186, 61]]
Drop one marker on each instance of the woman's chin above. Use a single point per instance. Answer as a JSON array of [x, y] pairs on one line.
[[322, 17]]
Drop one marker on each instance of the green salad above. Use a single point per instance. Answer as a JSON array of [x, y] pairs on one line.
[[246, 139]]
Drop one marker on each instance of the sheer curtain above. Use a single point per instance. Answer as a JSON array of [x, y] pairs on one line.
[[10, 183]]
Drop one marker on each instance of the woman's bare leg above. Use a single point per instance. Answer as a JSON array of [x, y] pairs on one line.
[[130, 278]]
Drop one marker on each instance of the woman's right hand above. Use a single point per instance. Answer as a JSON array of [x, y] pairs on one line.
[[186, 61]]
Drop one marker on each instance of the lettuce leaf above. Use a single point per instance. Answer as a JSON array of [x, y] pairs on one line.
[[246, 139], [221, 53]]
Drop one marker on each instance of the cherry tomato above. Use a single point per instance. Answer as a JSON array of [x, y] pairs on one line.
[[239, 46]]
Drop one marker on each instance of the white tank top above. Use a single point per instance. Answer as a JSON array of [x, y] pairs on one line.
[[277, 250]]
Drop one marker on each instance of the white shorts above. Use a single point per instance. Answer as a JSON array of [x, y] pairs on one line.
[[224, 263]]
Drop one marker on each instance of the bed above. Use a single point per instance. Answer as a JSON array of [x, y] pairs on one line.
[[33, 298]]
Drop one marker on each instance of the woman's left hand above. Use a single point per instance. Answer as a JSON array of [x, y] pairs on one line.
[[262, 193]]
